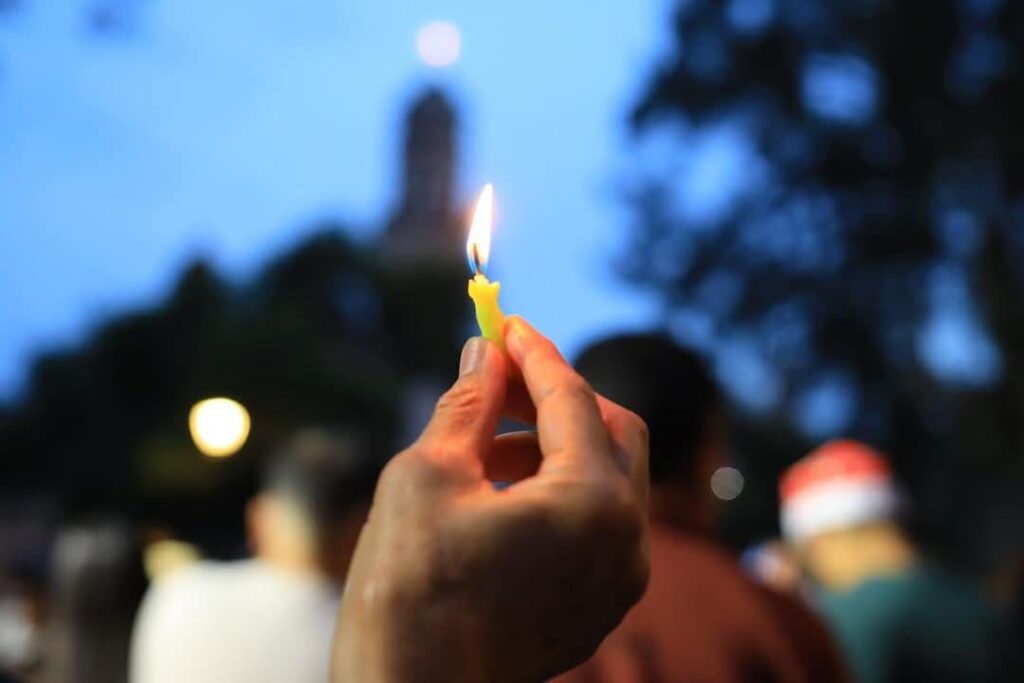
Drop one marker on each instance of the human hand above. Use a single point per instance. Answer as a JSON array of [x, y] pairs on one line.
[[453, 580]]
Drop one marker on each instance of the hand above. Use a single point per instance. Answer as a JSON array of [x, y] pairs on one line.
[[453, 580]]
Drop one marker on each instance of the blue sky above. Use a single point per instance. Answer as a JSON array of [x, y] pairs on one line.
[[223, 129]]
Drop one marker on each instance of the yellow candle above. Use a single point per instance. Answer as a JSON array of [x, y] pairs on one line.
[[489, 317], [482, 291]]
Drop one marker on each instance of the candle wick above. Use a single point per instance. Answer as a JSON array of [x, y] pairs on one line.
[[476, 261]]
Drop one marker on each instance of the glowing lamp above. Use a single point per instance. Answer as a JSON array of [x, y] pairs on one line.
[[219, 426], [482, 291]]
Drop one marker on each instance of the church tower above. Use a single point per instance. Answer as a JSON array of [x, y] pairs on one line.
[[426, 235], [425, 220]]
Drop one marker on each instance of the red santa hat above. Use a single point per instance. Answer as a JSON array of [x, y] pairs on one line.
[[839, 485]]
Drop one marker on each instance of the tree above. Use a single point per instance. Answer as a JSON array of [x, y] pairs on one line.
[[325, 335], [859, 273]]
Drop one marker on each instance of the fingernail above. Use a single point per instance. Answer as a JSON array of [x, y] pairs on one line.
[[472, 355]]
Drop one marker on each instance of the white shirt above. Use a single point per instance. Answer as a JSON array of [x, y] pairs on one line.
[[234, 622]]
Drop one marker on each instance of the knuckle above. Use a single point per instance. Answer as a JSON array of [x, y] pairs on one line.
[[396, 470], [540, 352], [607, 510], [631, 425], [638, 426], [409, 469], [461, 403], [573, 388]]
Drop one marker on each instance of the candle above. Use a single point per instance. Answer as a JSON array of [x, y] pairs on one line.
[[482, 291]]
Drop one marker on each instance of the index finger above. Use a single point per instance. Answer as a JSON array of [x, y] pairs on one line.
[[629, 433], [627, 430], [569, 424], [466, 416]]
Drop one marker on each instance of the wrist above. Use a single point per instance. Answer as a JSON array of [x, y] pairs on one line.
[[387, 636], [365, 643]]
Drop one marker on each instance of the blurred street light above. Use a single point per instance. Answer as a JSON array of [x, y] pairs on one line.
[[727, 483], [219, 426]]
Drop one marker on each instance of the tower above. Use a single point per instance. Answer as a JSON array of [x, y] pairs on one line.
[[425, 220], [425, 236]]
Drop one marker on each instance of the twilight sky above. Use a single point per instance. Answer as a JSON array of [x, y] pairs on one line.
[[226, 130], [223, 129]]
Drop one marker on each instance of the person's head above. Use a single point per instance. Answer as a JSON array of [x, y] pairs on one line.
[[839, 508], [97, 583], [313, 502], [672, 391]]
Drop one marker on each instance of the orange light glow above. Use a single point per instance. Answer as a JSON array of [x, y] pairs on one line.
[[478, 245]]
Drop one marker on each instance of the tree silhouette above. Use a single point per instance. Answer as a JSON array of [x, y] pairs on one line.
[[325, 335], [861, 274]]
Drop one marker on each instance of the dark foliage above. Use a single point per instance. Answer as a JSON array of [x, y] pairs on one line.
[[882, 188], [324, 336]]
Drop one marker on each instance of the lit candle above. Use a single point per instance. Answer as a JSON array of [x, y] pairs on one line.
[[483, 292]]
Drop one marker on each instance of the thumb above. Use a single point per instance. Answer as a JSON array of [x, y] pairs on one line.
[[466, 416]]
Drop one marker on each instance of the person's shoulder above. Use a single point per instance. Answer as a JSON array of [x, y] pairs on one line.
[[811, 641], [169, 620], [924, 588], [792, 610], [691, 568], [735, 616], [695, 568], [934, 580], [191, 619], [690, 551], [937, 593], [201, 573], [704, 565], [776, 627], [195, 585]]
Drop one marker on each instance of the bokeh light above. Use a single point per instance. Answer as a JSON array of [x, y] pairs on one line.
[[727, 483], [439, 43], [219, 426]]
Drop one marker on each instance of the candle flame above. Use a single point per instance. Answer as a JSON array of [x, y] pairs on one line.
[[478, 245]]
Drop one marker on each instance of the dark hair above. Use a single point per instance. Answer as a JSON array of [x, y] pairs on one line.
[[325, 473], [97, 584], [667, 386]]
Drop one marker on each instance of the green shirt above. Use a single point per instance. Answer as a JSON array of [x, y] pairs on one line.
[[924, 625]]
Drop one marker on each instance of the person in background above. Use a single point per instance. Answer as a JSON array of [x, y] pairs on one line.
[[895, 617], [97, 582], [702, 618], [23, 607], [268, 618]]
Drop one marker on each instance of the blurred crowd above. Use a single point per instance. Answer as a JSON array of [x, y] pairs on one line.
[[843, 594]]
